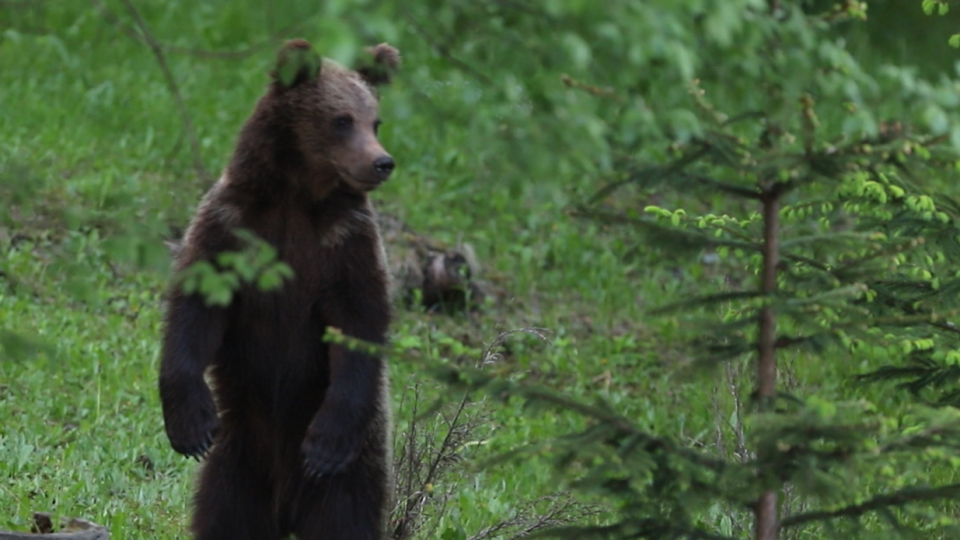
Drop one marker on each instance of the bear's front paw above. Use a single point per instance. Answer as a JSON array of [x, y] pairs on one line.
[[192, 426], [328, 450]]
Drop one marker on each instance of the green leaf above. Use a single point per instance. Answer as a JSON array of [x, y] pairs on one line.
[[295, 62], [452, 533], [269, 281]]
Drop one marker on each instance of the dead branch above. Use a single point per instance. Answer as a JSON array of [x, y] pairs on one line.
[[206, 54], [561, 510], [443, 50], [146, 36]]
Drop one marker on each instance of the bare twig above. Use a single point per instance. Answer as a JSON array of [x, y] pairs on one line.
[[157, 50], [206, 54], [733, 385], [591, 89], [562, 510], [434, 447], [422, 464], [405, 466], [444, 50]]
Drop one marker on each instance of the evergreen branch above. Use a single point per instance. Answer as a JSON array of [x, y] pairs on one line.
[[732, 189], [748, 115], [932, 437], [852, 290], [726, 187], [922, 372], [950, 399], [839, 271], [887, 251], [898, 499], [721, 352], [946, 327], [928, 319], [472, 379], [813, 263], [675, 167], [725, 149], [833, 238], [634, 529], [707, 300], [738, 234], [606, 190], [676, 237], [477, 381], [734, 347], [676, 172]]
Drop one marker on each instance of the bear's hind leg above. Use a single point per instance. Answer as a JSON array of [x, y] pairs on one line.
[[233, 501], [347, 506]]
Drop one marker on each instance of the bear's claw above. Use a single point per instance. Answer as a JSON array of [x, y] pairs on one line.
[[194, 435]]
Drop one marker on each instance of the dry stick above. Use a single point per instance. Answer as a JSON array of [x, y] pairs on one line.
[[413, 499], [174, 89], [199, 53], [444, 50], [766, 510]]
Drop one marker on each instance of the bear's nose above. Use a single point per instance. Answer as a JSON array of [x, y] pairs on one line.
[[384, 166]]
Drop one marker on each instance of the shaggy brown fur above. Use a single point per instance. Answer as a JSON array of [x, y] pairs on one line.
[[300, 445]]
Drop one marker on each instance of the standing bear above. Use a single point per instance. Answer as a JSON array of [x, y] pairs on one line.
[[297, 439]]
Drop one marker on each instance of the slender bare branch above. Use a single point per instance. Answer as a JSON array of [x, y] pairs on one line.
[[239, 54], [443, 50], [171, 81]]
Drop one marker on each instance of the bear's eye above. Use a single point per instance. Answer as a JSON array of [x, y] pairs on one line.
[[376, 127], [343, 122]]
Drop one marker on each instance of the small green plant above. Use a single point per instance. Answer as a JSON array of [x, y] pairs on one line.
[[941, 8], [256, 264]]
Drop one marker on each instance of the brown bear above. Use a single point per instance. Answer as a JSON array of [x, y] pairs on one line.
[[297, 440]]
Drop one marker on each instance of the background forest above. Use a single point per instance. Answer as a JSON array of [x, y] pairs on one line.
[[717, 241]]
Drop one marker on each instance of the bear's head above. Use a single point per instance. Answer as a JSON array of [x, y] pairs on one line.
[[332, 113]]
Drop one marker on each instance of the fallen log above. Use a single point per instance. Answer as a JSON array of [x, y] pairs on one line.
[[74, 529]]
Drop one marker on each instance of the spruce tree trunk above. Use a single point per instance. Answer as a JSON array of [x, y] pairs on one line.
[[766, 510]]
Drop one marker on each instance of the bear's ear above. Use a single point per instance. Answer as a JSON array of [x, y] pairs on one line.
[[297, 63], [386, 61]]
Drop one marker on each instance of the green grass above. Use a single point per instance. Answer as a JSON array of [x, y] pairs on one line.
[[94, 152]]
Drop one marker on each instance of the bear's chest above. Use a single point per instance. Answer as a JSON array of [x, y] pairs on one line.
[[319, 248]]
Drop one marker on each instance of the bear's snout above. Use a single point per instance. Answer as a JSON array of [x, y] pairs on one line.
[[383, 166]]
